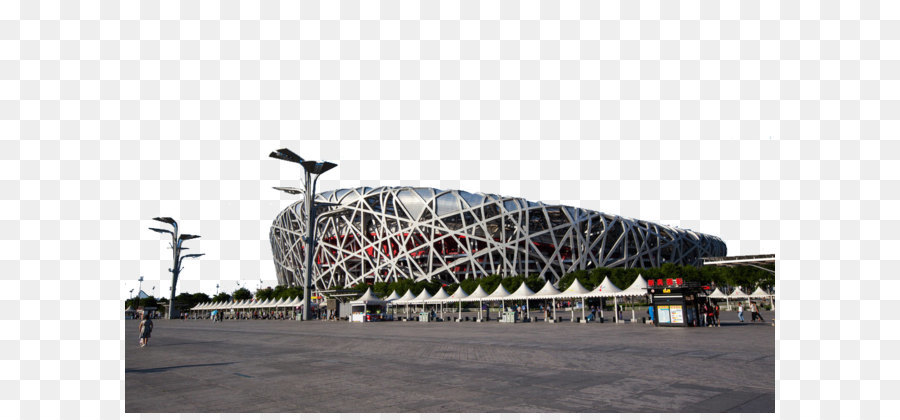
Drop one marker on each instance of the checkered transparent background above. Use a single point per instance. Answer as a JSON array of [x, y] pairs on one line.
[[766, 123]]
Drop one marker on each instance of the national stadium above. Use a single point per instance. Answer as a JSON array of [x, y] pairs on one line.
[[381, 234]]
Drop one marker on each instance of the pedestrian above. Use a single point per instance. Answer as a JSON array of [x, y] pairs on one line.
[[146, 327], [717, 316], [756, 312], [740, 310], [703, 311], [753, 313]]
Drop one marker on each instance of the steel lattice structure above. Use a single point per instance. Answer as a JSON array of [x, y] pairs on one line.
[[385, 233]]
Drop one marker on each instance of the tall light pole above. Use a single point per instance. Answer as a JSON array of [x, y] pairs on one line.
[[140, 282], [177, 258], [311, 170], [130, 293]]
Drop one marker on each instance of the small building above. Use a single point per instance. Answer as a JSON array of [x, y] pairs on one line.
[[675, 303]]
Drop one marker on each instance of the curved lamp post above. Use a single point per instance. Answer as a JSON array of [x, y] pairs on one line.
[[311, 169], [177, 258]]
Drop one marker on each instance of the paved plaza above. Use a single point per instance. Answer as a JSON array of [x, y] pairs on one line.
[[319, 366]]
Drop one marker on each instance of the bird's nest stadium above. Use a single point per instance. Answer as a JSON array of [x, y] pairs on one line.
[[386, 233]]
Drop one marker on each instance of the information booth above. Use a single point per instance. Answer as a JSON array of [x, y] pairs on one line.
[[675, 303]]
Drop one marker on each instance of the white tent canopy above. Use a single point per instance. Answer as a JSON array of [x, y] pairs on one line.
[[422, 297], [439, 297], [637, 288], [404, 300], [478, 294], [576, 290], [546, 292], [523, 292], [368, 298], [499, 293], [737, 293], [717, 294], [394, 296], [605, 289], [458, 295], [759, 293]]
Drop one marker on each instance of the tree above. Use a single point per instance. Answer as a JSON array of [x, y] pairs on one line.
[[264, 294], [242, 294], [200, 298], [221, 297]]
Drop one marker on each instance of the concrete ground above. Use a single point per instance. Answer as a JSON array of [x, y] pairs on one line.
[[319, 366]]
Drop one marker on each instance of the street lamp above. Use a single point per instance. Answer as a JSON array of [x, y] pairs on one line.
[[177, 258], [311, 170], [130, 292], [140, 282]]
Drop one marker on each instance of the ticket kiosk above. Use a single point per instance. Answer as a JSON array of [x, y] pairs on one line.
[[675, 303]]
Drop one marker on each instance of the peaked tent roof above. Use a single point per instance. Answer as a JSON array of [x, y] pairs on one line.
[[606, 288], [422, 296], [368, 298], [408, 296], [499, 293], [548, 291], [637, 288], [459, 294], [295, 302], [717, 294], [392, 297], [759, 293], [440, 296], [477, 294], [737, 293], [575, 290], [521, 293], [142, 295]]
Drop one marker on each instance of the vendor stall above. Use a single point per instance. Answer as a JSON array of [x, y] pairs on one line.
[[675, 303], [367, 308]]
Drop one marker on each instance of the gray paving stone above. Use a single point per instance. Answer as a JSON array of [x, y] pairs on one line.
[[289, 366]]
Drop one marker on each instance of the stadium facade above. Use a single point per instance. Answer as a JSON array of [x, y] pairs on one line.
[[382, 234]]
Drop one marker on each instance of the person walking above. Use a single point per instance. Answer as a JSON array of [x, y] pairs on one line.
[[756, 312], [753, 313], [146, 327], [717, 315], [740, 310], [704, 310]]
